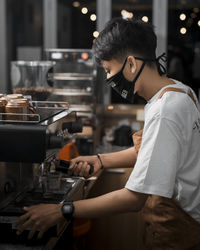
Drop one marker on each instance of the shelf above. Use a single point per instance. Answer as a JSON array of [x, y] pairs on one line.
[[72, 92], [71, 77]]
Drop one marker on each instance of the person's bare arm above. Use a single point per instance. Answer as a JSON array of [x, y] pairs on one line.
[[122, 159], [120, 201], [43, 216], [80, 165]]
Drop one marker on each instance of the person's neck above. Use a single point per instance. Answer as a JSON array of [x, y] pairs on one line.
[[152, 82]]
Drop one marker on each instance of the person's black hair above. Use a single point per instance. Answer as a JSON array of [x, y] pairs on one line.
[[120, 37]]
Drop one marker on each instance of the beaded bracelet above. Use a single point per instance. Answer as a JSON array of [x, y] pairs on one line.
[[102, 166]]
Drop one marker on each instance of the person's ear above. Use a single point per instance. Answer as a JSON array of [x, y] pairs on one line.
[[132, 65]]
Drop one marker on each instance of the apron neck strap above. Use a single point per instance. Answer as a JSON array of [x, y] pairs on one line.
[[190, 94]]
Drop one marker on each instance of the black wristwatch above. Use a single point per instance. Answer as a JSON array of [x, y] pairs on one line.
[[67, 210]]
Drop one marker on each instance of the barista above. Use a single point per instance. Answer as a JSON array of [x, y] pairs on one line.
[[166, 157]]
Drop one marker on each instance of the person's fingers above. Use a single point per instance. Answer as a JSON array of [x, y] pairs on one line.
[[77, 169], [72, 171], [74, 162], [86, 171], [21, 220], [33, 230], [40, 234], [83, 168], [24, 226]]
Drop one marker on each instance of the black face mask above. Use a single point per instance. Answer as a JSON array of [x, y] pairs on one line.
[[124, 87]]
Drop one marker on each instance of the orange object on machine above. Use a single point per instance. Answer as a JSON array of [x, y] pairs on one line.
[[68, 152]]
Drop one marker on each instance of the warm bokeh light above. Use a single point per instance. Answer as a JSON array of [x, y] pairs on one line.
[[183, 30], [95, 34], [110, 107], [196, 10], [84, 10], [76, 4], [182, 17], [130, 15], [198, 23], [145, 19], [123, 12], [93, 17]]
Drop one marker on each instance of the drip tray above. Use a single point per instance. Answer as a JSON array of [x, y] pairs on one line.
[[33, 197], [16, 208]]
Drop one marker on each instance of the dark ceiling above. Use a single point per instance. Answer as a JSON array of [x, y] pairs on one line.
[[144, 4]]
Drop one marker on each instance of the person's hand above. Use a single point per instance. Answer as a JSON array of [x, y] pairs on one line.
[[39, 218], [80, 166]]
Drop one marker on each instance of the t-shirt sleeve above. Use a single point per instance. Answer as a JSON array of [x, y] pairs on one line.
[[158, 159]]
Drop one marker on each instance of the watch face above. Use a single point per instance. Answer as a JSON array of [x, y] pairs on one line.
[[67, 210]]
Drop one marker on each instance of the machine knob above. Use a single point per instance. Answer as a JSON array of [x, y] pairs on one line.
[[8, 187], [72, 127]]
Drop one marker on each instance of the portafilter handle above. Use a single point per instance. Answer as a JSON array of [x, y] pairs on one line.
[[63, 166]]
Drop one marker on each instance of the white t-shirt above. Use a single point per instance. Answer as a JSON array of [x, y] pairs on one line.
[[168, 162]]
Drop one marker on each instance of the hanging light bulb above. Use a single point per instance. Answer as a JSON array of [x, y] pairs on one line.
[[182, 17], [95, 34], [183, 30], [84, 10], [93, 17], [145, 19]]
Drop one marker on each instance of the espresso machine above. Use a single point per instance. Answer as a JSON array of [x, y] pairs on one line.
[[74, 78], [65, 75], [28, 176]]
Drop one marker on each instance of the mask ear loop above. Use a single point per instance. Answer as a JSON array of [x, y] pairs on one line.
[[121, 70], [161, 69], [140, 71]]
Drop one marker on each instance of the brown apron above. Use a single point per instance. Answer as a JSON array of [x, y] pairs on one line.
[[167, 225]]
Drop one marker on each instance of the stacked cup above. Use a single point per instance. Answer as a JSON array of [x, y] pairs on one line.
[[14, 106]]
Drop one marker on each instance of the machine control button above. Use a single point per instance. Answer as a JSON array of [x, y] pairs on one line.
[[8, 187], [85, 56]]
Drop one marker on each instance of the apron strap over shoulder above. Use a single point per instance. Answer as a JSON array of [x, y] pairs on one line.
[[137, 136], [190, 94]]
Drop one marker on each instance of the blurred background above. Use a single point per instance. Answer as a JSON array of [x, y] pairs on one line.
[[27, 27]]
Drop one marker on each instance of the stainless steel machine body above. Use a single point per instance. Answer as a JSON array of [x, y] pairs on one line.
[[67, 75], [27, 150], [74, 77]]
